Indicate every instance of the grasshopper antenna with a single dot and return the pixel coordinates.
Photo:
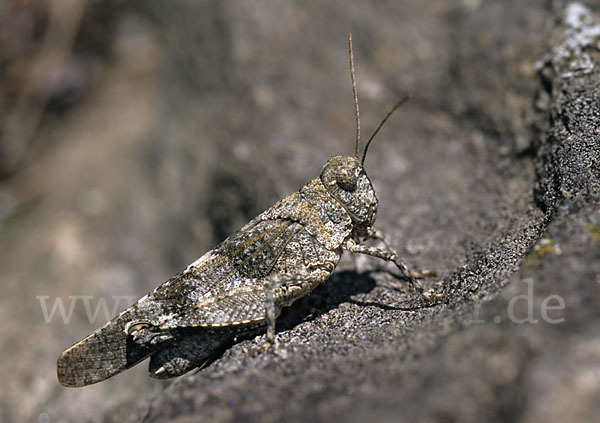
(351, 54)
(400, 103)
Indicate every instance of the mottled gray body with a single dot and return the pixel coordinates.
(242, 285)
(278, 257)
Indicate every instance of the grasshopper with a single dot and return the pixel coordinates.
(241, 286)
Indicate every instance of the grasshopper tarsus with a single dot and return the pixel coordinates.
(262, 348)
(435, 298)
(425, 273)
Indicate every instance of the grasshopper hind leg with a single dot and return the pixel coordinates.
(197, 347)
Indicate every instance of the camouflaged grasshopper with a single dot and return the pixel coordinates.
(242, 285)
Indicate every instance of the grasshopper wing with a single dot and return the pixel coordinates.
(103, 354)
(112, 349)
(226, 287)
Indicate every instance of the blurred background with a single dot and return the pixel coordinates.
(135, 135)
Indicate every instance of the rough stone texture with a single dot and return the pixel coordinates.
(209, 112)
(568, 170)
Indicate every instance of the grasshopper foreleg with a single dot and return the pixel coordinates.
(378, 235)
(390, 255)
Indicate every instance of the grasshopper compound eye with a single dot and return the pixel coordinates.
(347, 177)
(341, 174)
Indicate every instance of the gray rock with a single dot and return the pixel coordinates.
(212, 111)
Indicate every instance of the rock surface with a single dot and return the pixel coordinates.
(209, 112)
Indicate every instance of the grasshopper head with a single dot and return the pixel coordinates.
(345, 178)
(347, 182)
